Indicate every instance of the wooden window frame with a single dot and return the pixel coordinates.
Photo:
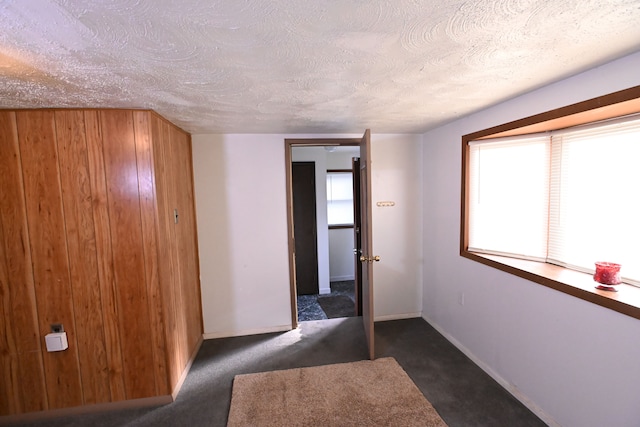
(577, 284)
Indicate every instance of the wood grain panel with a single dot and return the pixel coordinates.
(166, 252)
(20, 341)
(104, 253)
(77, 203)
(188, 249)
(21, 361)
(128, 252)
(10, 402)
(195, 305)
(36, 132)
(144, 156)
(88, 239)
(174, 188)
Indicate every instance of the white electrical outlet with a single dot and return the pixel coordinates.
(56, 341)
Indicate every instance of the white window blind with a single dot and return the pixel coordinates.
(570, 197)
(595, 197)
(509, 198)
(339, 198)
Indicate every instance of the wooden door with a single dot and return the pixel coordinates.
(303, 177)
(366, 231)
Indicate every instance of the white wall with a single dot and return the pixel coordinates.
(242, 233)
(341, 159)
(242, 236)
(341, 257)
(397, 230)
(575, 363)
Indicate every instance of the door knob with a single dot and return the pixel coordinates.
(370, 259)
(363, 258)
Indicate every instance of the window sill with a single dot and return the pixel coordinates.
(577, 284)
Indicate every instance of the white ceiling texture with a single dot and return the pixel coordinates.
(302, 66)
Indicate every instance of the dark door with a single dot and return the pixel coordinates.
(303, 177)
(357, 241)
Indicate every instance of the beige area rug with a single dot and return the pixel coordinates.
(366, 393)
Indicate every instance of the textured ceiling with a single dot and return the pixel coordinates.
(302, 66)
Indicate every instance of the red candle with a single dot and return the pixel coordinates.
(607, 273)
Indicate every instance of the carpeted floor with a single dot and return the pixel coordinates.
(309, 308)
(335, 306)
(459, 390)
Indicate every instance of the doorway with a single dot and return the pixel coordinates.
(323, 223)
(362, 234)
(333, 258)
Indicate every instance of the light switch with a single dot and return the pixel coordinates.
(56, 341)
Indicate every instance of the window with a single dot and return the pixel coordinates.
(547, 196)
(509, 192)
(567, 197)
(340, 198)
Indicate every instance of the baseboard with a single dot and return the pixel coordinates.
(512, 389)
(341, 278)
(185, 371)
(241, 333)
(86, 409)
(107, 406)
(324, 291)
(397, 317)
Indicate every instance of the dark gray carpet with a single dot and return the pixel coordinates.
(310, 309)
(459, 390)
(335, 306)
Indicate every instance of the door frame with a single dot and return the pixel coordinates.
(289, 143)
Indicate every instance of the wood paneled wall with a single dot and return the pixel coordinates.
(88, 239)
